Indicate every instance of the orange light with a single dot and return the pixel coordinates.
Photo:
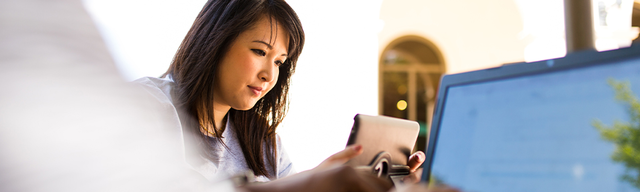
(402, 105)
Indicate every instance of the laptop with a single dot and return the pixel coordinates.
(551, 125)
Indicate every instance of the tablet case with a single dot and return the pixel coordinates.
(387, 141)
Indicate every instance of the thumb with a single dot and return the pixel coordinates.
(341, 157)
(346, 154)
(416, 160)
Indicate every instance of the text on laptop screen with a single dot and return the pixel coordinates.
(540, 132)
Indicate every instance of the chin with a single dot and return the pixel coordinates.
(244, 107)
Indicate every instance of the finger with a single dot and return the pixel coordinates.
(341, 157)
(346, 154)
(413, 177)
(416, 160)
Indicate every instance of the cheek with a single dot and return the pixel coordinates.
(249, 62)
(242, 70)
(274, 83)
(277, 77)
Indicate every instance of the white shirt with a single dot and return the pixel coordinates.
(225, 162)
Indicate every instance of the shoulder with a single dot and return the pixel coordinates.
(285, 166)
(159, 88)
(278, 140)
(279, 148)
(161, 91)
(155, 83)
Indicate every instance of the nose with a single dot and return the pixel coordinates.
(269, 72)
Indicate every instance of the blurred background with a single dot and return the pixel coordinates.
(370, 56)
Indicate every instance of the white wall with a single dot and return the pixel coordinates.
(336, 77)
(470, 34)
(475, 34)
(143, 35)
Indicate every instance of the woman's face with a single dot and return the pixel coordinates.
(249, 70)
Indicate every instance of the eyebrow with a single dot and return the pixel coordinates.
(268, 46)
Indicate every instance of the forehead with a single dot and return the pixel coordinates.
(270, 32)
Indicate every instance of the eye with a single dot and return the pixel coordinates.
(279, 63)
(259, 52)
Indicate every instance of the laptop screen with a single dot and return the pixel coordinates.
(543, 132)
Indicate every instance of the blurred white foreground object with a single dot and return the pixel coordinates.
(68, 122)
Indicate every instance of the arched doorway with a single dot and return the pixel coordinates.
(410, 72)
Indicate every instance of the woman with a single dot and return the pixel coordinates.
(228, 83)
(228, 86)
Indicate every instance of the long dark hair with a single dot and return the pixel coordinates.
(194, 71)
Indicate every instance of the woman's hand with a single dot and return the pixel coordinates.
(342, 157)
(339, 158)
(335, 178)
(415, 160)
(423, 187)
(331, 175)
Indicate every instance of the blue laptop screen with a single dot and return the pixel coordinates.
(540, 132)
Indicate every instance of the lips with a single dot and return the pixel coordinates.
(257, 91)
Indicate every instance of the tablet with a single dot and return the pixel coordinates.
(384, 139)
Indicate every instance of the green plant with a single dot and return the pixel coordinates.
(625, 135)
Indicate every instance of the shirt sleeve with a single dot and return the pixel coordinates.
(285, 167)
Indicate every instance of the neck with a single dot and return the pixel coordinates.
(219, 111)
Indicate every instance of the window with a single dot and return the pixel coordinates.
(410, 71)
